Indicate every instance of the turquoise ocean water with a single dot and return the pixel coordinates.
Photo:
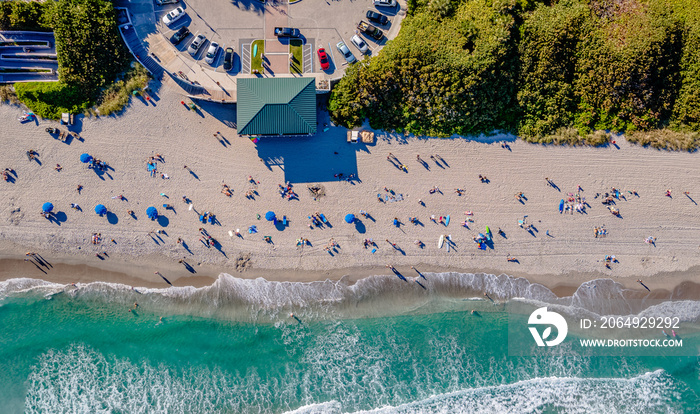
(381, 345)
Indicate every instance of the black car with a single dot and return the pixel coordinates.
(286, 32)
(228, 59)
(180, 35)
(378, 18)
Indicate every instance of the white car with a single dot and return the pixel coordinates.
(211, 53)
(196, 44)
(347, 54)
(173, 16)
(385, 3)
(360, 44)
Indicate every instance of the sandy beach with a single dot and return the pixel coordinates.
(559, 250)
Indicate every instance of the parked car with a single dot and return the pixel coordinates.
(211, 53)
(180, 35)
(173, 16)
(162, 2)
(196, 44)
(228, 59)
(360, 44)
(286, 32)
(323, 58)
(345, 51)
(385, 3)
(378, 18)
(370, 30)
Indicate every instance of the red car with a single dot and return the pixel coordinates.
(323, 58)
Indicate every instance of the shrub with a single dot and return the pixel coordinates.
(7, 94)
(667, 139)
(116, 97)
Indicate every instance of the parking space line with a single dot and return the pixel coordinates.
(330, 49)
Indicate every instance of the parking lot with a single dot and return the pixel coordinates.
(220, 21)
(237, 23)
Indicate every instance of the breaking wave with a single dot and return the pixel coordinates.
(262, 300)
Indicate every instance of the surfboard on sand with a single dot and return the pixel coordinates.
(441, 241)
(447, 221)
(488, 233)
(449, 240)
(561, 205)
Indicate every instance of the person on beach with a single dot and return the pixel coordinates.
(79, 188)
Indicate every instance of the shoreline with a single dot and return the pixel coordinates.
(67, 269)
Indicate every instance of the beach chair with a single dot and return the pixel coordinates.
(284, 221)
(323, 218)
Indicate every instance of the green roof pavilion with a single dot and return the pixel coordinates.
(276, 106)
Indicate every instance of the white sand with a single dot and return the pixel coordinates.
(184, 137)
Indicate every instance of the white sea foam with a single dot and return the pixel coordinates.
(650, 392)
(81, 380)
(383, 295)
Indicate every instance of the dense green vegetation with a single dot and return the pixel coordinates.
(550, 71)
(90, 51)
(24, 15)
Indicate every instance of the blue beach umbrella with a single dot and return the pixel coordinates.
(152, 213)
(350, 218)
(100, 209)
(270, 216)
(85, 158)
(47, 207)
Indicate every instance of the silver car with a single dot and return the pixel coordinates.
(173, 16)
(360, 44)
(385, 3)
(347, 54)
(211, 53)
(196, 44)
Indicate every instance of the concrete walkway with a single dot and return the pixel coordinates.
(41, 55)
